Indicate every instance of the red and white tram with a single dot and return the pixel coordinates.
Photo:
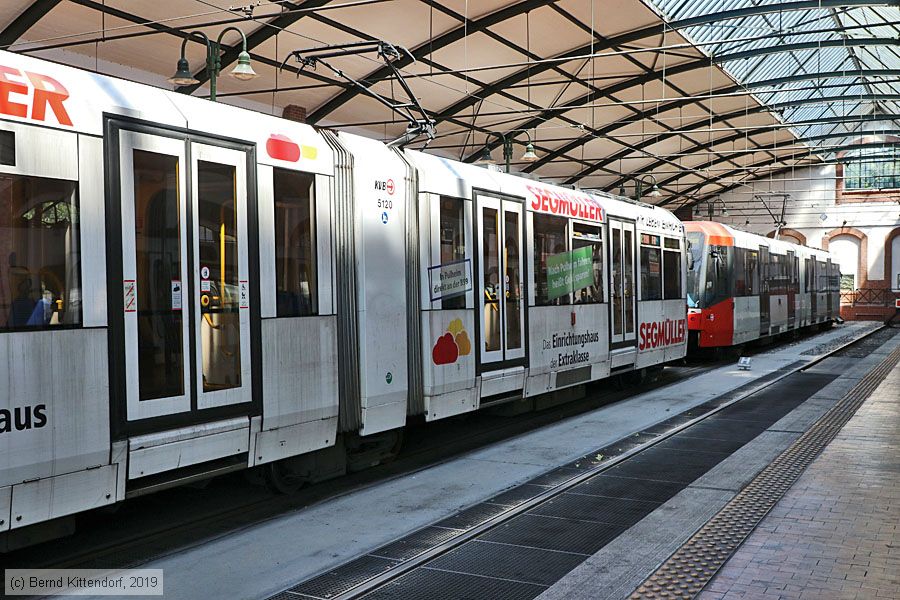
(743, 286)
(188, 288)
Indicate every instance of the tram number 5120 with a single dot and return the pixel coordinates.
(388, 204)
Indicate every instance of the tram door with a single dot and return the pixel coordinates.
(621, 281)
(766, 273)
(184, 262)
(501, 301)
(811, 287)
(793, 282)
(829, 296)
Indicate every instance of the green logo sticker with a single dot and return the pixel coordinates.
(389, 377)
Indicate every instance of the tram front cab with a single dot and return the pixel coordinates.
(709, 298)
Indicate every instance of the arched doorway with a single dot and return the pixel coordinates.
(846, 249)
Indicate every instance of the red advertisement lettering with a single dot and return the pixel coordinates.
(44, 90)
(10, 86)
(48, 92)
(661, 334)
(565, 203)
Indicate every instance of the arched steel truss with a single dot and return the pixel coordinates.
(460, 113)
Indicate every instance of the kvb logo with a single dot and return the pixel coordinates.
(40, 92)
(385, 186)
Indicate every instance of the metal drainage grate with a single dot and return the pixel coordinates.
(692, 566)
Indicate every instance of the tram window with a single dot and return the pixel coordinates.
(490, 265)
(295, 244)
(823, 276)
(158, 262)
(219, 245)
(775, 274)
(584, 236)
(672, 272)
(717, 279)
(651, 268)
(40, 272)
(453, 240)
(7, 148)
(834, 277)
(746, 275)
(808, 271)
(549, 242)
(740, 273)
(697, 247)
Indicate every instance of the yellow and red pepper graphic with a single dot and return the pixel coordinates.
(451, 345)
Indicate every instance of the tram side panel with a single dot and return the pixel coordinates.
(449, 283)
(448, 316)
(662, 310)
(54, 410)
(379, 187)
(299, 323)
(568, 313)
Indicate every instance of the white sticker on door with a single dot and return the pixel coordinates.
(176, 294)
(205, 285)
(245, 294)
(130, 289)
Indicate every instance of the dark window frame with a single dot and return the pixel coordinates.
(540, 266)
(651, 285)
(597, 256)
(458, 302)
(313, 296)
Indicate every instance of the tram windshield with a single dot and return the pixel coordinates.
(696, 245)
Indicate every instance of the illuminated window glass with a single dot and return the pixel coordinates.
(40, 271)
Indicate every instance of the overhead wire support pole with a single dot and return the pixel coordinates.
(779, 221)
(419, 123)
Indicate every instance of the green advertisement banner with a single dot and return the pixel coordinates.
(569, 271)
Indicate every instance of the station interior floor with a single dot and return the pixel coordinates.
(835, 533)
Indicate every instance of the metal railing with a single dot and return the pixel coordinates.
(869, 297)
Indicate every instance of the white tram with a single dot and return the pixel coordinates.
(188, 288)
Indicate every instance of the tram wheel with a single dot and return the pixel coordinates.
(281, 479)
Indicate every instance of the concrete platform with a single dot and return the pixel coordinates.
(267, 558)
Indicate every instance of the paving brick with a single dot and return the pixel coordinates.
(836, 533)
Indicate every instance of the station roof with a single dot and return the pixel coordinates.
(699, 94)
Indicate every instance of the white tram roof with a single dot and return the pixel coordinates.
(280, 142)
(447, 177)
